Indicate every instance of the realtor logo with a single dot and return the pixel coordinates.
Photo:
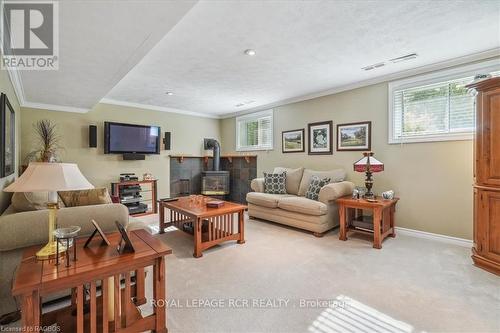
(30, 35)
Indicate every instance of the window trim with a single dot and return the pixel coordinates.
(254, 115)
(435, 77)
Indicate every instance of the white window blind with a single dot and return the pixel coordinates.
(434, 110)
(255, 131)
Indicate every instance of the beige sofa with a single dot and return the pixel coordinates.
(19, 230)
(293, 208)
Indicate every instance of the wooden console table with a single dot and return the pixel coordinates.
(383, 217)
(107, 274)
(210, 226)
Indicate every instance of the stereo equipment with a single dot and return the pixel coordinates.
(166, 141)
(125, 177)
(133, 157)
(92, 136)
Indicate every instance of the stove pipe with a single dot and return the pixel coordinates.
(215, 146)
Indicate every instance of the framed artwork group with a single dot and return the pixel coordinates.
(350, 137)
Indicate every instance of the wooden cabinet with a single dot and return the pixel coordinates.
(487, 240)
(486, 250)
(488, 137)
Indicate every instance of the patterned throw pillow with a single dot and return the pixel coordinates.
(275, 183)
(315, 186)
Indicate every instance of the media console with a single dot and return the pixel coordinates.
(138, 195)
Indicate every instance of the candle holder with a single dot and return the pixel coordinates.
(66, 235)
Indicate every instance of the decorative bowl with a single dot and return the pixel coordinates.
(388, 195)
(68, 232)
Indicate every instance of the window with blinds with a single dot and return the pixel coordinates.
(255, 131)
(437, 110)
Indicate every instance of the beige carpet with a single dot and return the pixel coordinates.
(411, 285)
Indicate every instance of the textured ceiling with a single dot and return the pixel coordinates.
(303, 47)
(99, 42)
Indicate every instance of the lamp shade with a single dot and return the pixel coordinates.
(368, 163)
(47, 177)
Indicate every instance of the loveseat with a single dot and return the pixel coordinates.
(21, 229)
(293, 208)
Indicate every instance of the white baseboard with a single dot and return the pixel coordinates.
(437, 237)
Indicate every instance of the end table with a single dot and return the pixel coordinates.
(104, 269)
(351, 210)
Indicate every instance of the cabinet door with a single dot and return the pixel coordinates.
(488, 139)
(488, 225)
(477, 234)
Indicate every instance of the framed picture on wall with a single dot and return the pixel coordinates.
(293, 141)
(320, 138)
(7, 137)
(354, 136)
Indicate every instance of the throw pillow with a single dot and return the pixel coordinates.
(275, 183)
(315, 186)
(336, 175)
(96, 196)
(293, 177)
(29, 201)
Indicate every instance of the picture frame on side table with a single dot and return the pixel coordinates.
(293, 141)
(320, 138)
(97, 230)
(7, 137)
(354, 136)
(125, 245)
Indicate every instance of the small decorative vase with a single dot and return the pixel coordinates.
(388, 195)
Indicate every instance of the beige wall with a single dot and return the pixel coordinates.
(433, 179)
(100, 169)
(7, 88)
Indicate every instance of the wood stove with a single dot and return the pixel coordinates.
(214, 182)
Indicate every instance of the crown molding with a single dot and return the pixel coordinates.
(156, 108)
(485, 55)
(54, 107)
(15, 79)
(17, 83)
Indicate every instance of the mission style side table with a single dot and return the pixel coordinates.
(352, 218)
(107, 276)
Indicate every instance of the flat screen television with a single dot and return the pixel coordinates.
(131, 139)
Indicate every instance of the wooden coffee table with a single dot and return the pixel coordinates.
(103, 269)
(209, 226)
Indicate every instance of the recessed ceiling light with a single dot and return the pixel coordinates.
(169, 93)
(250, 52)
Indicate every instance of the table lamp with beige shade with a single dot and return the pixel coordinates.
(50, 177)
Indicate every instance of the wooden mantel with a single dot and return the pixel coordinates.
(181, 157)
